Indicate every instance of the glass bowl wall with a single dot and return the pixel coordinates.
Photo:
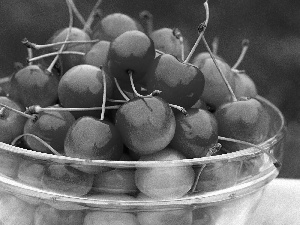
(38, 187)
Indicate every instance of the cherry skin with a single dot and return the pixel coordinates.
(146, 125)
(9, 164)
(200, 104)
(200, 59)
(165, 41)
(195, 133)
(48, 215)
(82, 87)
(165, 182)
(181, 83)
(90, 138)
(33, 86)
(164, 217)
(76, 34)
(11, 123)
(131, 51)
(15, 211)
(245, 120)
(113, 25)
(116, 181)
(215, 91)
(66, 180)
(31, 173)
(111, 218)
(97, 56)
(218, 175)
(50, 126)
(253, 166)
(244, 86)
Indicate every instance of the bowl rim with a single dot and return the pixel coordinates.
(202, 199)
(250, 152)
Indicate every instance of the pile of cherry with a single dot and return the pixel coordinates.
(117, 92)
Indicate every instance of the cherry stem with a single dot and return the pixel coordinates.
(104, 95)
(49, 69)
(210, 152)
(29, 44)
(2, 112)
(218, 68)
(91, 18)
(148, 17)
(154, 93)
(5, 80)
(215, 45)
(30, 55)
(77, 13)
(55, 53)
(272, 157)
(120, 90)
(245, 46)
(37, 109)
(19, 112)
(181, 109)
(116, 100)
(178, 35)
(201, 30)
(37, 138)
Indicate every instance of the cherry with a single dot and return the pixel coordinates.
(66, 180)
(97, 56)
(83, 86)
(176, 216)
(52, 127)
(111, 218)
(4, 85)
(47, 215)
(9, 164)
(181, 83)
(218, 175)
(11, 122)
(90, 138)
(165, 217)
(131, 51)
(146, 125)
(199, 59)
(167, 181)
(116, 181)
(215, 91)
(244, 85)
(113, 25)
(195, 133)
(76, 34)
(32, 85)
(165, 40)
(245, 120)
(15, 211)
(253, 166)
(31, 173)
(200, 104)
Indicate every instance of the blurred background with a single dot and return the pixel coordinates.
(272, 26)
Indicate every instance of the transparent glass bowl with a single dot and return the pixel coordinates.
(39, 188)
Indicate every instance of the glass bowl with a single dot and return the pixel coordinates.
(39, 188)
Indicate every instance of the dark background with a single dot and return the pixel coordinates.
(272, 26)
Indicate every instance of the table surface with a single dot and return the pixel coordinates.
(280, 204)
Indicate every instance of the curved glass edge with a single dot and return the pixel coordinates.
(251, 152)
(194, 200)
